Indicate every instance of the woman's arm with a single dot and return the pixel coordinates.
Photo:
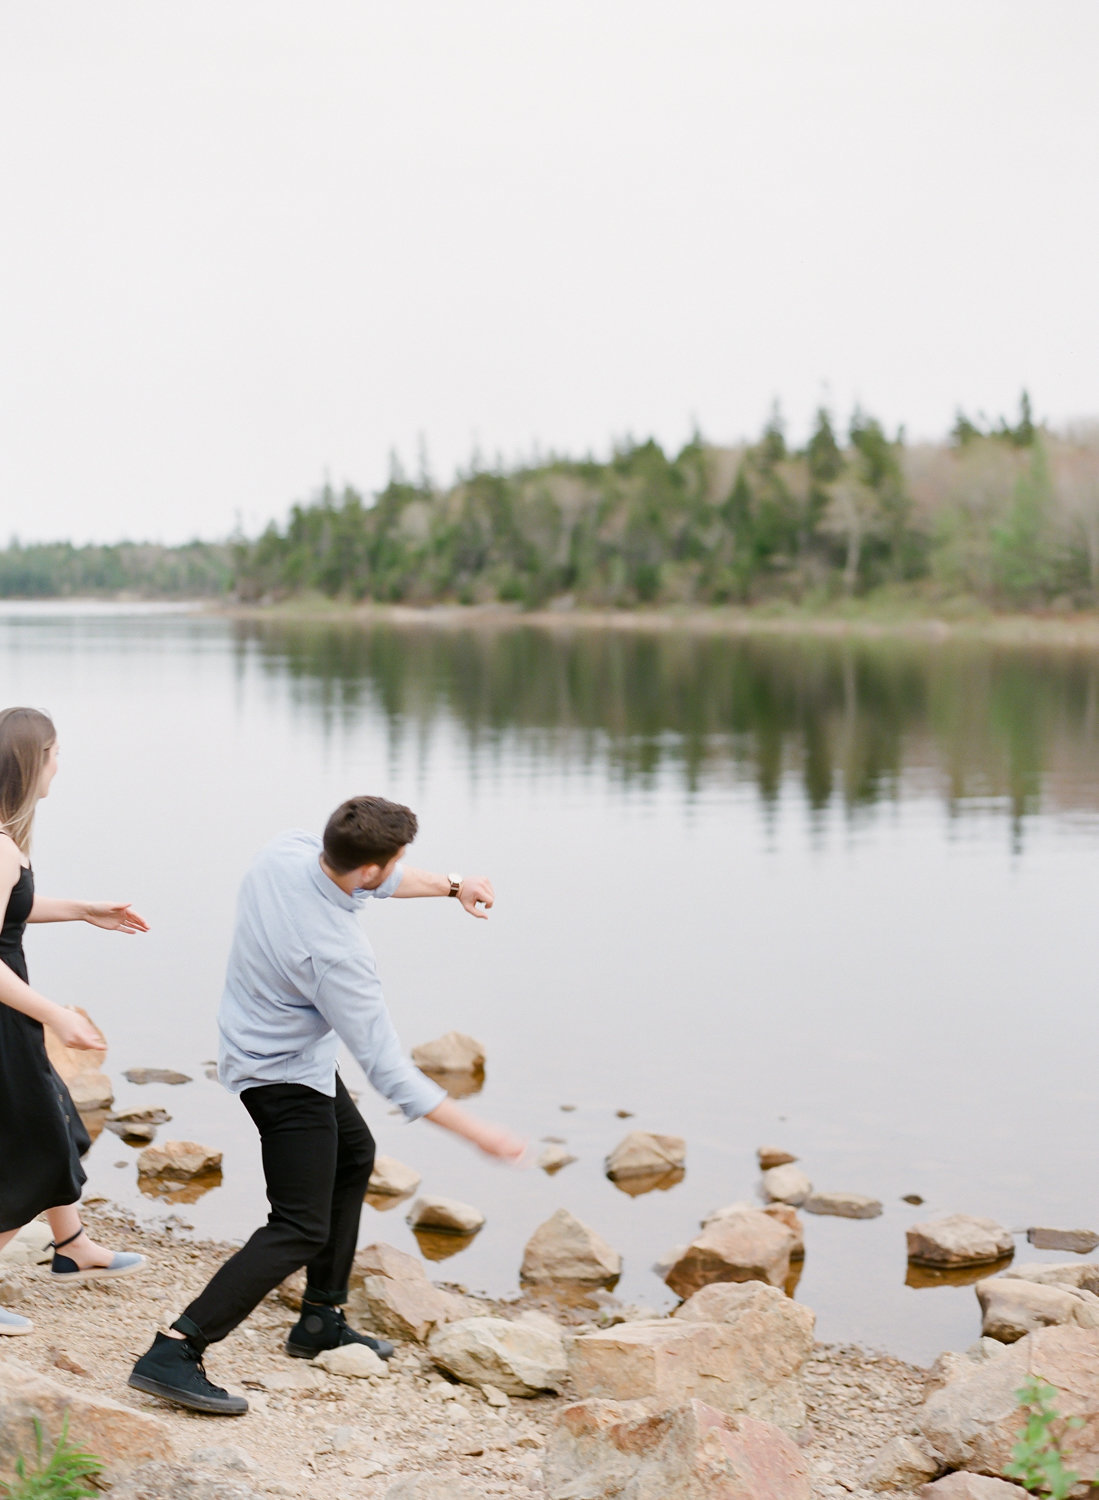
(115, 916)
(72, 1028)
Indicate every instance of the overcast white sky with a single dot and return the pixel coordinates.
(247, 243)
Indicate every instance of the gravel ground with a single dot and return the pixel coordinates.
(312, 1434)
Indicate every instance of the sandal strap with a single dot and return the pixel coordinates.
(60, 1244)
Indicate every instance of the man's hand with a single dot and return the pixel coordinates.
(493, 1140)
(114, 916)
(477, 895)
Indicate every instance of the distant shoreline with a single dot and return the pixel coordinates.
(1075, 630)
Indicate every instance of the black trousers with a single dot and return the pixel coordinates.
(317, 1159)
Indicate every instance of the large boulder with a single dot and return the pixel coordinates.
(843, 1205)
(963, 1486)
(565, 1250)
(521, 1358)
(901, 1465)
(178, 1160)
(643, 1154)
(974, 1422)
(959, 1240)
(1083, 1274)
(741, 1348)
(787, 1184)
(119, 1435)
(692, 1452)
(392, 1179)
(445, 1215)
(453, 1053)
(1011, 1308)
(391, 1295)
(748, 1246)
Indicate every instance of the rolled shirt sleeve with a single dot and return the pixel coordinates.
(349, 997)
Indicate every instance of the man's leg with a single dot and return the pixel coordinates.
(322, 1324)
(299, 1141)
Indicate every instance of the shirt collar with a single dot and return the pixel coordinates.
(329, 889)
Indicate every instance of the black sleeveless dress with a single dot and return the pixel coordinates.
(41, 1135)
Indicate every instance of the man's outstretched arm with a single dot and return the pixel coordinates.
(474, 892)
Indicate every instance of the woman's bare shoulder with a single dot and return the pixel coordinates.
(11, 861)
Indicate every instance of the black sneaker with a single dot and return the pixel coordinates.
(172, 1369)
(322, 1327)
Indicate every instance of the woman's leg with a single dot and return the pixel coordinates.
(65, 1222)
(7, 1236)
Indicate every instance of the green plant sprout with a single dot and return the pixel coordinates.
(1038, 1459)
(64, 1475)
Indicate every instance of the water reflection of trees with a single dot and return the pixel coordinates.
(855, 720)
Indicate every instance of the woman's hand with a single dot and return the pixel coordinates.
(73, 1030)
(114, 916)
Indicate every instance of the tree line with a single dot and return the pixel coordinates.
(1006, 513)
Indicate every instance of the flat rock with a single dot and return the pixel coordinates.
(152, 1115)
(91, 1091)
(132, 1134)
(178, 1160)
(974, 1421)
(296, 1377)
(774, 1156)
(392, 1179)
(224, 1456)
(1080, 1241)
(553, 1158)
(520, 1359)
(784, 1213)
(963, 1486)
(121, 1436)
(958, 1240)
(741, 1348)
(155, 1075)
(355, 1361)
(901, 1465)
(692, 1452)
(643, 1154)
(159, 1480)
(423, 1486)
(30, 1247)
(1084, 1274)
(445, 1214)
(749, 1246)
(1011, 1307)
(562, 1249)
(453, 1053)
(787, 1184)
(843, 1205)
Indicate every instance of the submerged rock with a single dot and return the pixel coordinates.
(787, 1184)
(843, 1205)
(553, 1158)
(564, 1250)
(747, 1246)
(644, 1154)
(446, 1215)
(1081, 1241)
(453, 1053)
(178, 1160)
(155, 1075)
(958, 1240)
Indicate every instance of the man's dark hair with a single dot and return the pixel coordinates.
(366, 831)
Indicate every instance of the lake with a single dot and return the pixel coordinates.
(831, 895)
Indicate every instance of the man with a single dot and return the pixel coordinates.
(301, 977)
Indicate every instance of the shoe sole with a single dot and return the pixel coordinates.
(97, 1273)
(14, 1333)
(184, 1398)
(296, 1351)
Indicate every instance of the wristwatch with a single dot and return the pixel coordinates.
(455, 884)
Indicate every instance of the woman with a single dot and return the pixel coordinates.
(40, 1131)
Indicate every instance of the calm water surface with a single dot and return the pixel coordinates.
(834, 896)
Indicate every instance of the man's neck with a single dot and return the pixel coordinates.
(346, 883)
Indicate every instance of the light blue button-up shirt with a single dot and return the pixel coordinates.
(302, 977)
